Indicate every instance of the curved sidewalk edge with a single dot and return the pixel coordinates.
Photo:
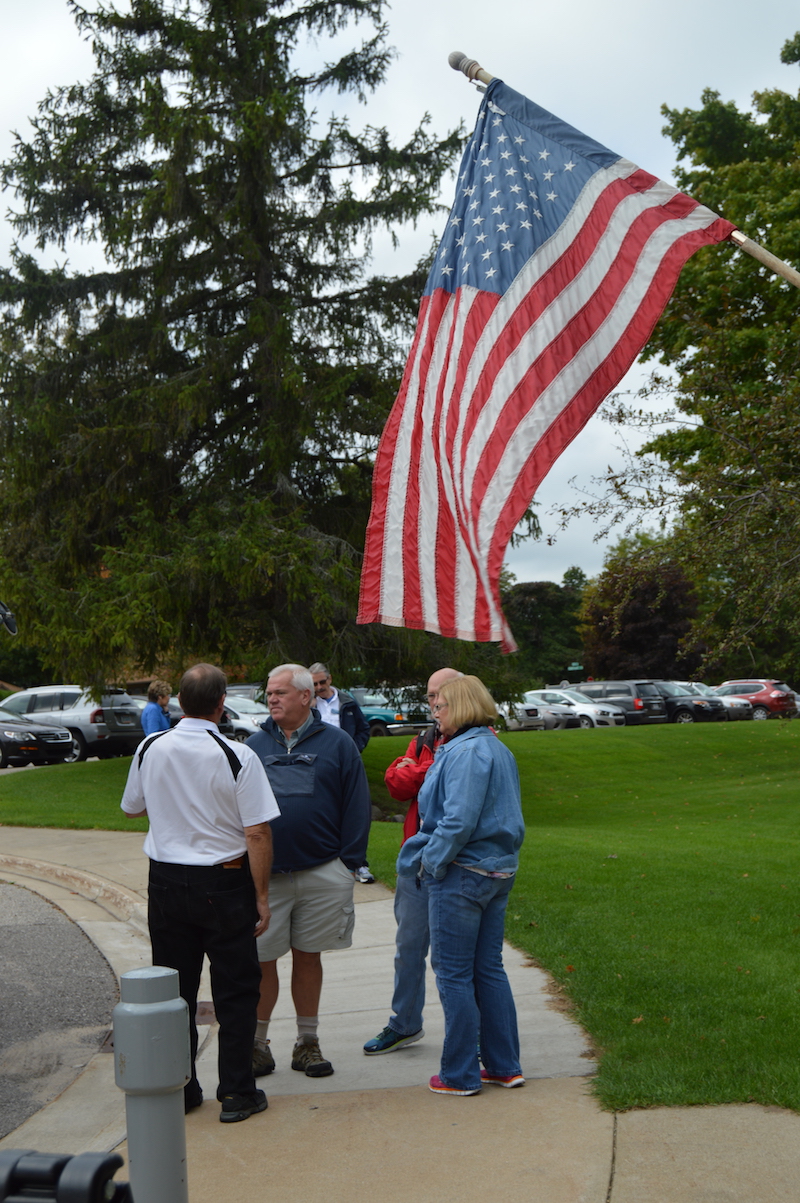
(121, 903)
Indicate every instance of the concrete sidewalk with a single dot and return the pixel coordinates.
(374, 1126)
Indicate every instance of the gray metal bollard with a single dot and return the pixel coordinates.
(152, 1065)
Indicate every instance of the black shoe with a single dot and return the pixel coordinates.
(192, 1096)
(236, 1107)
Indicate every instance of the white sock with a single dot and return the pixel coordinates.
(307, 1026)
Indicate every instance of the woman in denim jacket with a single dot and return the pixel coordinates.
(467, 849)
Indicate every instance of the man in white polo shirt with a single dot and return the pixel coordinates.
(210, 846)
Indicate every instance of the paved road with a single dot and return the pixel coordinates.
(56, 997)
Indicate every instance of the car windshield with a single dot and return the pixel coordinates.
(699, 687)
(579, 697)
(247, 705)
(670, 690)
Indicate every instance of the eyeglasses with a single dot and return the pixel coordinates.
(439, 706)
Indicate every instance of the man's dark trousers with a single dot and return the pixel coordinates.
(207, 909)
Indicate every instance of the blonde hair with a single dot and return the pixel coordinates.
(469, 702)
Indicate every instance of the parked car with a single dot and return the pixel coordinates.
(255, 692)
(111, 728)
(531, 714)
(23, 741)
(769, 699)
(638, 697)
(245, 715)
(381, 718)
(686, 706)
(524, 716)
(736, 708)
(590, 713)
(176, 713)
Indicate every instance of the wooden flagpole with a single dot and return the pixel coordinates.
(474, 71)
(766, 257)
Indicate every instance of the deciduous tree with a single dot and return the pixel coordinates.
(727, 466)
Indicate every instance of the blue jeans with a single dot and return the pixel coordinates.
(467, 917)
(411, 949)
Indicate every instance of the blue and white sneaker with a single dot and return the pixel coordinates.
(388, 1040)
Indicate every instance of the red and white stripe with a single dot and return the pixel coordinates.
(496, 387)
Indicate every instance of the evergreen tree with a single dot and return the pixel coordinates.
(544, 617)
(187, 430)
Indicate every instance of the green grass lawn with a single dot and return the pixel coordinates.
(658, 885)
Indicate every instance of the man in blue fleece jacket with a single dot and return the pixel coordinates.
(319, 841)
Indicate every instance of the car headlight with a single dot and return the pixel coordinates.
(19, 735)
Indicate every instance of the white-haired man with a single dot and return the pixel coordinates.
(319, 842)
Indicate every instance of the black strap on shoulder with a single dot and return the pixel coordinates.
(148, 742)
(232, 758)
(426, 739)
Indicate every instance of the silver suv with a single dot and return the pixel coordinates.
(111, 728)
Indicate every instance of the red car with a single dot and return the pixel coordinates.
(770, 699)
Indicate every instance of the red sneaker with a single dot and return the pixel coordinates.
(438, 1087)
(500, 1080)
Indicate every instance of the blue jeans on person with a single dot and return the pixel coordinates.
(467, 919)
(411, 949)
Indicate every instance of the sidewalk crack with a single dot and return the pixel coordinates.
(613, 1160)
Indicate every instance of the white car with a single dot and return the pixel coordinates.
(246, 716)
(590, 713)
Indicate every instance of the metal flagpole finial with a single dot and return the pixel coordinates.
(470, 66)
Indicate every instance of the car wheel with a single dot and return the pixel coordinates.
(760, 712)
(683, 716)
(241, 736)
(377, 728)
(3, 758)
(78, 748)
(586, 721)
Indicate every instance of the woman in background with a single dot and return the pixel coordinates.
(155, 716)
(467, 850)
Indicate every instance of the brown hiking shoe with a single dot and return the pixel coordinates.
(307, 1058)
(263, 1060)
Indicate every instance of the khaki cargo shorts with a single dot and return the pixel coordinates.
(311, 910)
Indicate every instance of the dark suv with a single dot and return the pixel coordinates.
(641, 701)
(684, 706)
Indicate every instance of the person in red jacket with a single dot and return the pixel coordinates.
(404, 778)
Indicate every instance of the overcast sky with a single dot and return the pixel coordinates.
(606, 69)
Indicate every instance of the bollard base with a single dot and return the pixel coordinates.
(157, 1147)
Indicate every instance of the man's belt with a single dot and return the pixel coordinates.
(234, 864)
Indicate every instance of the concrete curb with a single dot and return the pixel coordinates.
(122, 904)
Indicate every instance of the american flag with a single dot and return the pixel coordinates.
(557, 260)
